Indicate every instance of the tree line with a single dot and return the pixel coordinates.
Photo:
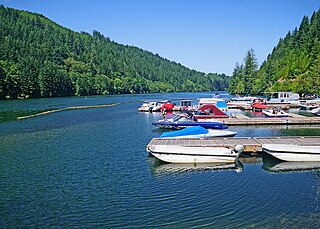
(39, 58)
(293, 65)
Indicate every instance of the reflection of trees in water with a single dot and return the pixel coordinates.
(306, 130)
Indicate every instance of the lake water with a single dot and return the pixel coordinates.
(89, 168)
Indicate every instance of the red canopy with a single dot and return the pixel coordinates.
(213, 110)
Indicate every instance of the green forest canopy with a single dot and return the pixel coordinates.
(39, 58)
(293, 65)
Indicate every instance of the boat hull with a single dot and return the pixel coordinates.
(180, 154)
(293, 152)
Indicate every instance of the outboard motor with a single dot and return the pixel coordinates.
(238, 149)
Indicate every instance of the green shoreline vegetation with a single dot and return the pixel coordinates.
(293, 65)
(39, 58)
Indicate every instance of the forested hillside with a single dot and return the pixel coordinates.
(293, 65)
(39, 58)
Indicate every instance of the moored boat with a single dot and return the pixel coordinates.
(198, 132)
(147, 106)
(286, 99)
(315, 101)
(315, 111)
(159, 105)
(308, 106)
(258, 105)
(183, 154)
(275, 113)
(239, 101)
(292, 152)
(180, 122)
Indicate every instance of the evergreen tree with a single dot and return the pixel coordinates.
(243, 77)
(249, 71)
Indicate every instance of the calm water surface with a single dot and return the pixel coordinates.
(89, 168)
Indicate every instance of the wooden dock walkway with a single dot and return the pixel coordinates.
(251, 145)
(294, 119)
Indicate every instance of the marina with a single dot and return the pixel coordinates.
(145, 114)
(295, 119)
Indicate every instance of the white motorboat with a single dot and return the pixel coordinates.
(307, 106)
(315, 111)
(275, 113)
(147, 106)
(239, 101)
(152, 106)
(283, 98)
(315, 101)
(185, 154)
(198, 132)
(293, 152)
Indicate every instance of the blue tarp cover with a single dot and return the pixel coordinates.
(187, 131)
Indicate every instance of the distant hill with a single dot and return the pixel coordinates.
(293, 65)
(39, 58)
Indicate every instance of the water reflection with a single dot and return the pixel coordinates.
(158, 167)
(272, 164)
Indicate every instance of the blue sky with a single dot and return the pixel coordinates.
(205, 35)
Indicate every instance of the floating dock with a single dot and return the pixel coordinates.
(294, 119)
(251, 145)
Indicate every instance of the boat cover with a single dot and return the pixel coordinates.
(192, 130)
(213, 110)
